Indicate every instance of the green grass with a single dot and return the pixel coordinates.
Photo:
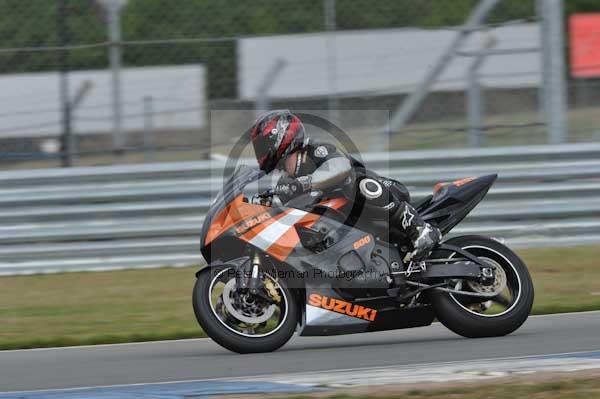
(96, 307)
(565, 387)
(140, 305)
(565, 279)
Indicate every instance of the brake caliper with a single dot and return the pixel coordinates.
(270, 287)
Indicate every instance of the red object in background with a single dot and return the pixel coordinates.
(584, 35)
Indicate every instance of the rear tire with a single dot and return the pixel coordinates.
(236, 341)
(471, 324)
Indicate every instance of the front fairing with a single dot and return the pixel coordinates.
(232, 188)
(274, 231)
(234, 226)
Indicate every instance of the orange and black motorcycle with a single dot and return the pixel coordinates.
(314, 267)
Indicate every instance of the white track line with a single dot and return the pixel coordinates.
(273, 377)
(430, 364)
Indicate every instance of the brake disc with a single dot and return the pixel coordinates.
(496, 287)
(253, 314)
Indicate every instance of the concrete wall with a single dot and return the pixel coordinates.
(382, 61)
(30, 103)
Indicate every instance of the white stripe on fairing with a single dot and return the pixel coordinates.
(316, 316)
(268, 236)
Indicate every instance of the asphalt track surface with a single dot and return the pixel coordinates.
(202, 359)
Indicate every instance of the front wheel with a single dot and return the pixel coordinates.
(497, 316)
(240, 321)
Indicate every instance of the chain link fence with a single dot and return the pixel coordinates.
(113, 81)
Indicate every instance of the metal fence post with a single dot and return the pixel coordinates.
(330, 27)
(80, 94)
(475, 109)
(113, 11)
(553, 65)
(66, 146)
(475, 102)
(148, 133)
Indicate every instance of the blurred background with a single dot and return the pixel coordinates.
(117, 116)
(156, 95)
(89, 82)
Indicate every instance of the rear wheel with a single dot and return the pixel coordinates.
(240, 321)
(497, 316)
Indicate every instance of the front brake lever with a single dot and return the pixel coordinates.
(265, 198)
(268, 193)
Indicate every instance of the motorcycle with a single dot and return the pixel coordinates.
(309, 268)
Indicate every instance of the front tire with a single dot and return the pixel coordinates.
(469, 319)
(222, 326)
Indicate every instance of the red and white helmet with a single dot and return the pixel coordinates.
(275, 135)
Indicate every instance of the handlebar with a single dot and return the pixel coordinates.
(267, 193)
(306, 199)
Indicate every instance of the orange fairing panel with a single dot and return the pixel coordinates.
(234, 213)
(253, 232)
(277, 236)
(457, 183)
(274, 234)
(286, 243)
(439, 186)
(462, 182)
(289, 240)
(335, 203)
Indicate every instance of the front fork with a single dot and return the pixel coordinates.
(250, 277)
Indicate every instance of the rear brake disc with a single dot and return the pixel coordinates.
(496, 287)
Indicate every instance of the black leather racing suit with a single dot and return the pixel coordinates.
(321, 166)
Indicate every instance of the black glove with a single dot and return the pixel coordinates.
(287, 188)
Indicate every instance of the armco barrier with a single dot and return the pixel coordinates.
(98, 218)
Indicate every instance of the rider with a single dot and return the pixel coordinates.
(280, 142)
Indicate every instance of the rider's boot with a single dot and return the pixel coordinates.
(423, 235)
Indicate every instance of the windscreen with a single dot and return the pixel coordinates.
(234, 186)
